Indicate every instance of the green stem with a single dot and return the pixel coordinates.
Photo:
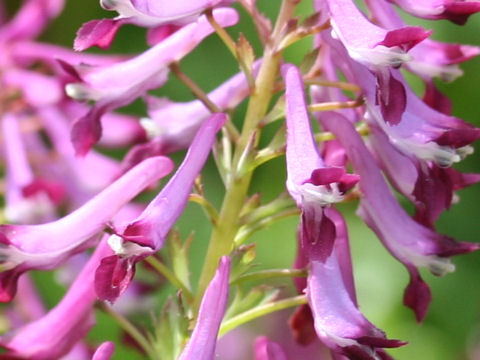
(260, 311)
(170, 276)
(203, 97)
(132, 331)
(206, 205)
(223, 235)
(268, 274)
(223, 34)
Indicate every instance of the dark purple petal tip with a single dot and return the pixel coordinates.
(8, 284)
(459, 12)
(375, 341)
(86, 132)
(113, 276)
(96, 33)
(405, 38)
(417, 295)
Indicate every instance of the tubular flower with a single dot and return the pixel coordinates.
(367, 43)
(23, 247)
(118, 85)
(422, 140)
(429, 58)
(72, 318)
(146, 235)
(410, 242)
(203, 340)
(456, 11)
(145, 13)
(418, 130)
(331, 296)
(429, 187)
(311, 183)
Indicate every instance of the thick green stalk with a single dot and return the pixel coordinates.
(223, 235)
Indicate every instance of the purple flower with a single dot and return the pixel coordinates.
(430, 187)
(430, 58)
(456, 11)
(311, 183)
(54, 334)
(45, 246)
(420, 140)
(338, 321)
(146, 234)
(118, 85)
(412, 126)
(203, 340)
(146, 13)
(367, 43)
(265, 349)
(410, 242)
(427, 133)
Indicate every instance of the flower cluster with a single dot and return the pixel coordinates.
(63, 197)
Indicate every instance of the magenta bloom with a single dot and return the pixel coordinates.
(146, 234)
(202, 342)
(310, 182)
(429, 58)
(367, 43)
(118, 85)
(410, 242)
(338, 322)
(54, 334)
(23, 247)
(456, 11)
(157, 15)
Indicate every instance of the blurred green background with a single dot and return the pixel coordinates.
(452, 327)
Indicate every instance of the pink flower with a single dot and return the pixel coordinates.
(456, 11)
(45, 246)
(146, 234)
(157, 15)
(54, 334)
(367, 43)
(311, 183)
(337, 320)
(118, 85)
(410, 242)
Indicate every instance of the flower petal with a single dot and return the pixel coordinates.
(202, 342)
